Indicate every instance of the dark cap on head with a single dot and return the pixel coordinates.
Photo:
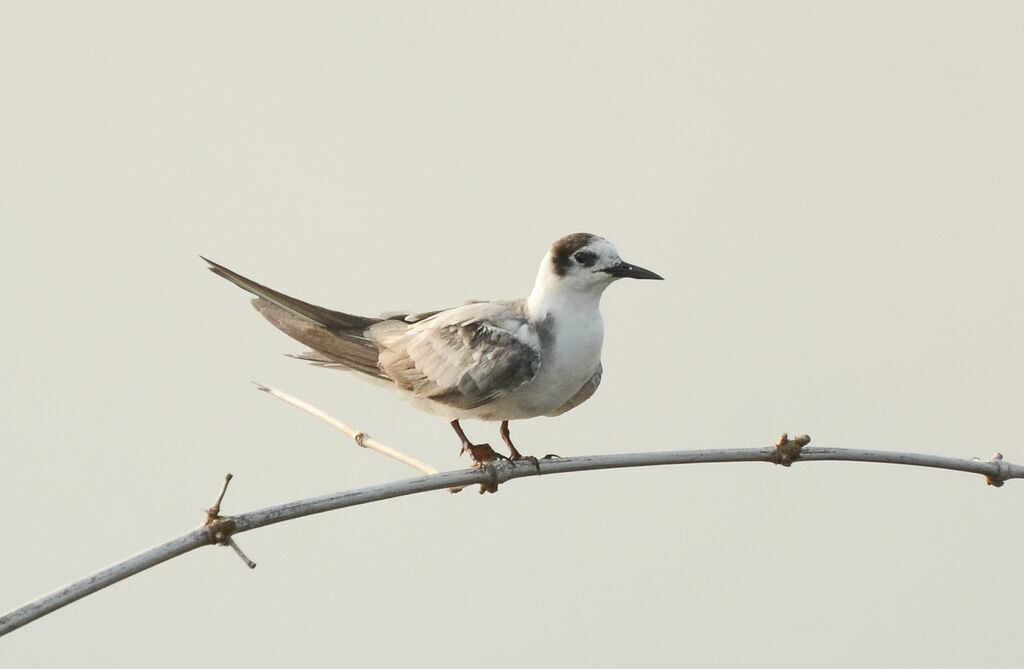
(562, 250)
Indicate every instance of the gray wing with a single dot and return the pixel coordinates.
(582, 395)
(464, 357)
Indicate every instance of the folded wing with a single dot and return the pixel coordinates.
(464, 357)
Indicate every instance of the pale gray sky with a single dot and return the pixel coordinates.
(832, 191)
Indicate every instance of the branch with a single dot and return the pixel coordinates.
(220, 530)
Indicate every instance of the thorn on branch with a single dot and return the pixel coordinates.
(1002, 470)
(788, 450)
(238, 551)
(214, 511)
(221, 529)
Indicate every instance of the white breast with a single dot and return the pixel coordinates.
(571, 350)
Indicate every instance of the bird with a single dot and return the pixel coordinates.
(497, 361)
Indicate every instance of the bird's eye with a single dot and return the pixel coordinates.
(584, 258)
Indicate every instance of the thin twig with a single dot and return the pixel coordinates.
(996, 471)
(360, 437)
(213, 513)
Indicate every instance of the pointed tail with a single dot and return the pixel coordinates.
(335, 335)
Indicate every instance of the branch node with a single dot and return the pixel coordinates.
(221, 528)
(1002, 471)
(360, 438)
(491, 484)
(787, 450)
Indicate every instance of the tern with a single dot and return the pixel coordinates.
(498, 360)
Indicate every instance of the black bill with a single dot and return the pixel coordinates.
(627, 271)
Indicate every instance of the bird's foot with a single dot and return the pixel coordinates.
(552, 456)
(482, 454)
(516, 456)
(483, 457)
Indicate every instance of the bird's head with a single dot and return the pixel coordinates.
(583, 264)
(584, 260)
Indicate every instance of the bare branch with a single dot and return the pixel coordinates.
(101, 579)
(996, 471)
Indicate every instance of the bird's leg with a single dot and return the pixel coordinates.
(481, 453)
(507, 438)
(513, 451)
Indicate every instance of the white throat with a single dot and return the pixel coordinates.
(555, 295)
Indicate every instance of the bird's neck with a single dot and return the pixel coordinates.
(552, 296)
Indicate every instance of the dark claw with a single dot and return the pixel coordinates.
(552, 456)
(528, 458)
